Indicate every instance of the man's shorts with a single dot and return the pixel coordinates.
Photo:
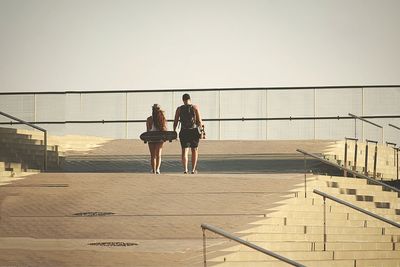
(189, 138)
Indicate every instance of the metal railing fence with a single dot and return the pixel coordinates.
(267, 113)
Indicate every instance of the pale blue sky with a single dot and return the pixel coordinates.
(62, 45)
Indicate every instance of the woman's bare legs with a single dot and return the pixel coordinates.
(158, 151)
(152, 148)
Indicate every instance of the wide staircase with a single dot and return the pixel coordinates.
(295, 228)
(22, 152)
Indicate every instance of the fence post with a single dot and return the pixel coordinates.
(45, 151)
(204, 248)
(397, 164)
(305, 176)
(375, 159)
(366, 159)
(345, 159)
(355, 158)
(324, 223)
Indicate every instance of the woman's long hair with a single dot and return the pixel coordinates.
(159, 118)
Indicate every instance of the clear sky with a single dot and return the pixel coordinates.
(62, 45)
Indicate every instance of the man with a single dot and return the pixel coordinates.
(189, 117)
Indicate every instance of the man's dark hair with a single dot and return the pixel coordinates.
(185, 97)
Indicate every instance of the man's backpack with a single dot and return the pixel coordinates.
(187, 117)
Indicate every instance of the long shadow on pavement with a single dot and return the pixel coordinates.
(246, 163)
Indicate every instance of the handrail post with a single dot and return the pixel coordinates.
(345, 159)
(45, 151)
(375, 159)
(355, 127)
(305, 176)
(204, 247)
(355, 155)
(397, 164)
(366, 160)
(324, 223)
(355, 158)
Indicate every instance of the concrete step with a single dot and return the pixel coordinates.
(316, 263)
(340, 179)
(303, 229)
(307, 255)
(349, 184)
(315, 200)
(8, 130)
(6, 173)
(23, 146)
(367, 254)
(387, 209)
(13, 155)
(384, 196)
(318, 246)
(378, 262)
(319, 222)
(23, 142)
(276, 263)
(35, 163)
(329, 215)
(258, 256)
(319, 237)
(15, 136)
(16, 167)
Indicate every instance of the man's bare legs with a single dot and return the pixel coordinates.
(185, 160)
(195, 156)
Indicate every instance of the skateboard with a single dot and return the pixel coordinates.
(158, 136)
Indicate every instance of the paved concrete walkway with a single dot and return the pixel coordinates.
(159, 216)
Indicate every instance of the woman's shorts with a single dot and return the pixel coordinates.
(189, 138)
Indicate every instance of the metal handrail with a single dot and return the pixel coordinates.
(35, 127)
(340, 201)
(349, 170)
(370, 122)
(290, 118)
(394, 126)
(367, 121)
(202, 89)
(243, 242)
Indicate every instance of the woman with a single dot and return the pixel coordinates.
(156, 122)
